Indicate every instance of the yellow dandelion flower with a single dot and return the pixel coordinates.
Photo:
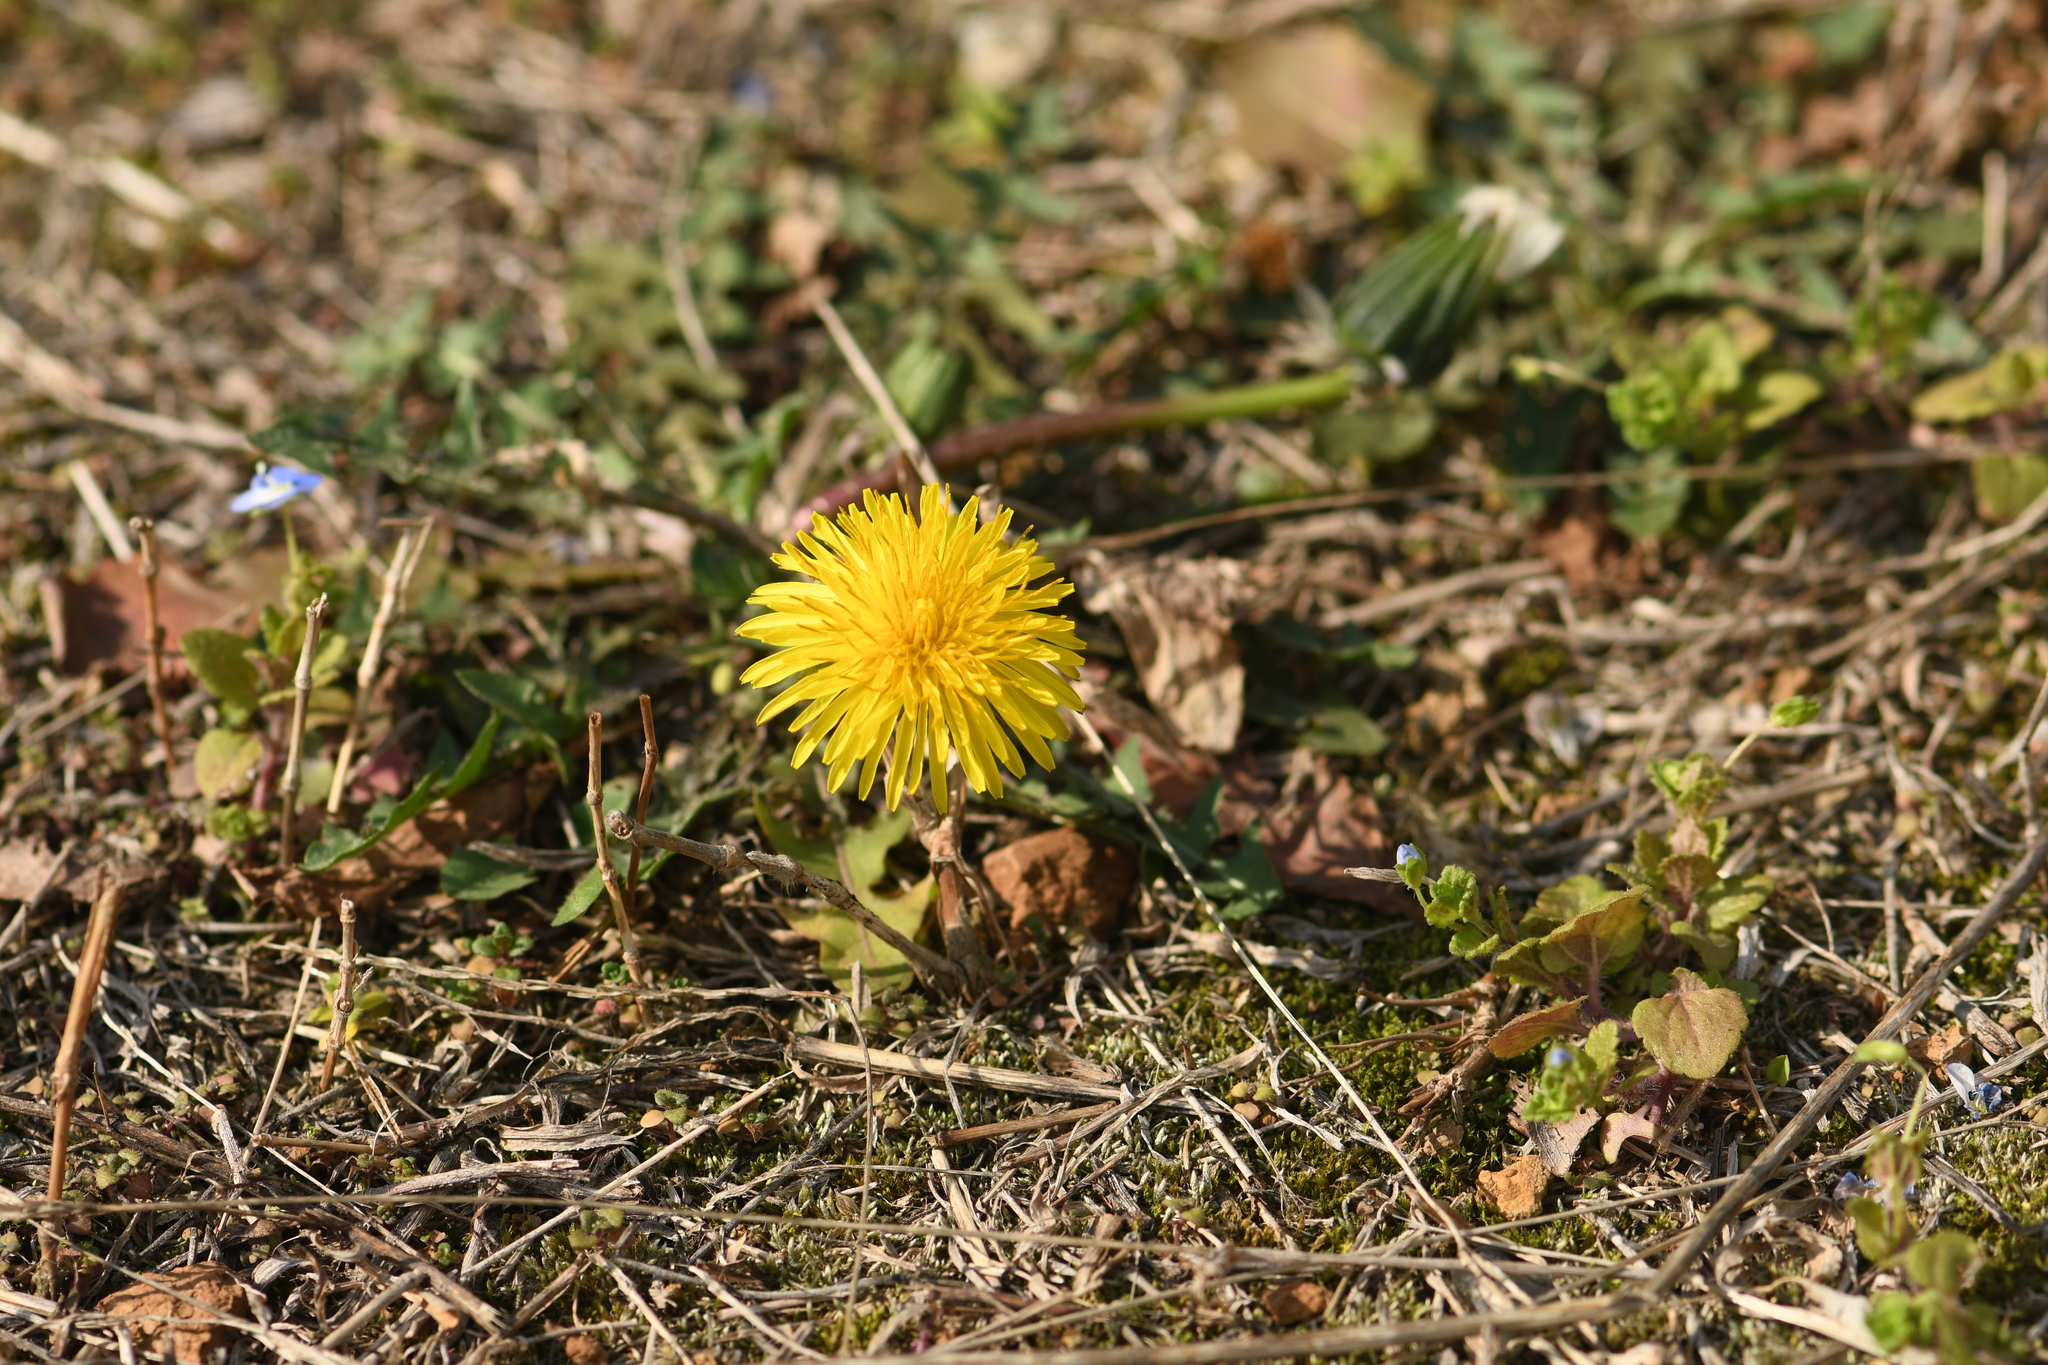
(918, 638)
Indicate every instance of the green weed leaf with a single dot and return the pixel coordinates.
(1526, 1030)
(1794, 711)
(473, 876)
(220, 660)
(1694, 1028)
(1597, 941)
(225, 762)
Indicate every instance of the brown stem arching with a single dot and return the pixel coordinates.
(85, 992)
(965, 449)
(593, 796)
(932, 969)
(295, 738)
(344, 995)
(152, 614)
(650, 757)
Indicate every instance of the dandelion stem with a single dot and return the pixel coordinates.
(412, 541)
(145, 534)
(344, 995)
(593, 796)
(85, 991)
(650, 755)
(939, 832)
(295, 738)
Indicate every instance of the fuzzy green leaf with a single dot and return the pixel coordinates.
(1692, 784)
(1694, 1028)
(220, 660)
(225, 762)
(1597, 941)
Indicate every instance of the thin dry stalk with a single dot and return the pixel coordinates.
(295, 739)
(878, 392)
(291, 1028)
(344, 994)
(593, 796)
(145, 534)
(650, 756)
(412, 542)
(85, 993)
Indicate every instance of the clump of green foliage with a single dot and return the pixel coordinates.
(1644, 964)
(1939, 1265)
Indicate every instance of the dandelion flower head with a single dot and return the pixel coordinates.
(917, 638)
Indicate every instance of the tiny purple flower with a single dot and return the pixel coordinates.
(271, 488)
(1559, 1056)
(1406, 854)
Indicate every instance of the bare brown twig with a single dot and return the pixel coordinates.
(145, 535)
(593, 796)
(85, 992)
(344, 994)
(650, 758)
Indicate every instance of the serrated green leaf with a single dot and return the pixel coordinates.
(1729, 904)
(1692, 784)
(1452, 898)
(1596, 941)
(1470, 941)
(1566, 901)
(1694, 1028)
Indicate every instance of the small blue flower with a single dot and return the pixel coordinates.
(1559, 1056)
(1406, 854)
(1979, 1097)
(271, 489)
(1852, 1184)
